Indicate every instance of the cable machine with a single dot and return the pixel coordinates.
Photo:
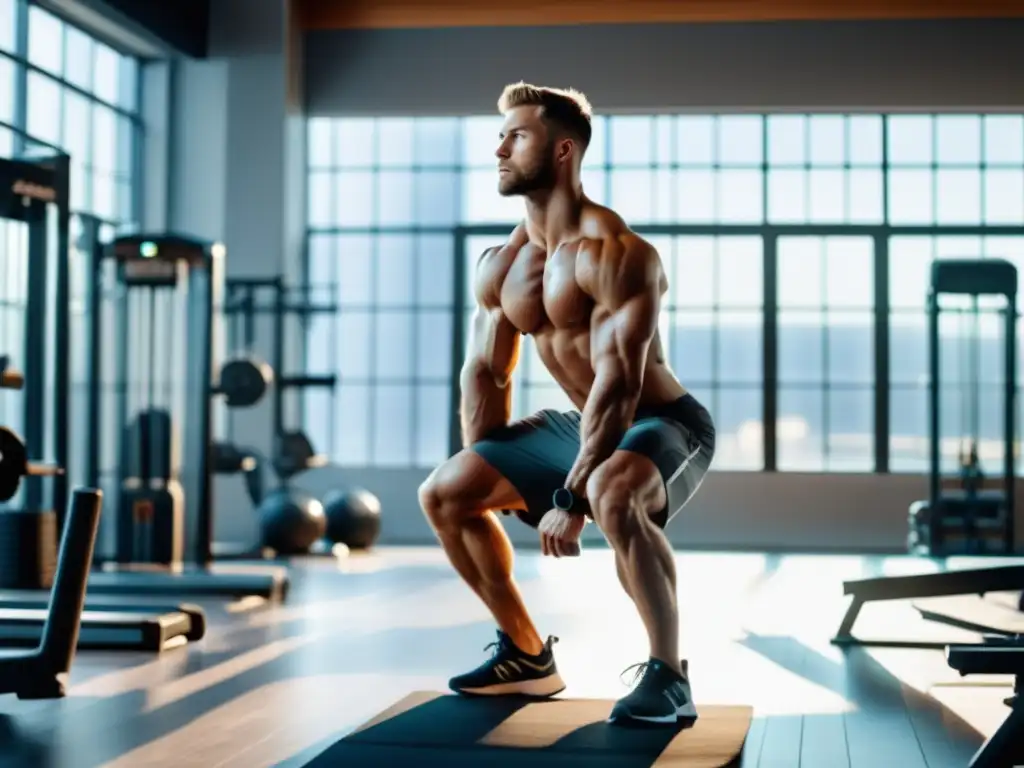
(151, 381)
(971, 513)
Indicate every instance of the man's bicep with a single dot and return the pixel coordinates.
(633, 306)
(493, 346)
(493, 343)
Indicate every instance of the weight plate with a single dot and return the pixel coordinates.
(13, 463)
(244, 381)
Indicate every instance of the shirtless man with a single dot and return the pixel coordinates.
(588, 290)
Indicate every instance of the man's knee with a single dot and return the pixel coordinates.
(616, 510)
(622, 496)
(439, 493)
(461, 487)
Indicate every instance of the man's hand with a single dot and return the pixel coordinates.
(560, 533)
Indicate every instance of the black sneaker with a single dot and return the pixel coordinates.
(660, 696)
(511, 672)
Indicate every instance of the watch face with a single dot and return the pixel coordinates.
(563, 499)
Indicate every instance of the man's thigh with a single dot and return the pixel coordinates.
(680, 456)
(535, 456)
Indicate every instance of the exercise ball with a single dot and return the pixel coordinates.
(291, 521)
(353, 518)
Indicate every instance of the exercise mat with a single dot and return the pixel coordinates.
(434, 729)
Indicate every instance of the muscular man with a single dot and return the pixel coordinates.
(588, 290)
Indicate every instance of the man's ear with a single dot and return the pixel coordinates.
(565, 148)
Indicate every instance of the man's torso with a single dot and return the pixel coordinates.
(550, 297)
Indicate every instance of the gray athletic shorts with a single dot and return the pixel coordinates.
(537, 453)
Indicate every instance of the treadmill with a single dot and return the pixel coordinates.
(160, 291)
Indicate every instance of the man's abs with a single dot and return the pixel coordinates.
(565, 354)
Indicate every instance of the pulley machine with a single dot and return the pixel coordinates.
(151, 377)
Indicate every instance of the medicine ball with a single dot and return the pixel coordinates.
(353, 518)
(291, 522)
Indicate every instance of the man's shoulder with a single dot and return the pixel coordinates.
(608, 235)
(621, 261)
(504, 252)
(494, 263)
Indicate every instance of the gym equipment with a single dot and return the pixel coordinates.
(294, 454)
(245, 378)
(150, 522)
(10, 378)
(28, 561)
(246, 299)
(108, 622)
(28, 549)
(972, 517)
(353, 518)
(34, 193)
(984, 614)
(977, 581)
(42, 673)
(29, 534)
(244, 381)
(14, 465)
(160, 291)
(229, 459)
(954, 518)
(117, 630)
(997, 656)
(291, 521)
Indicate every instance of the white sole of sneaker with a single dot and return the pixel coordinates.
(687, 712)
(541, 688)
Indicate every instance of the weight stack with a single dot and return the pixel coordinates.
(28, 549)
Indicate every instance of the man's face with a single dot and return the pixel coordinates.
(526, 161)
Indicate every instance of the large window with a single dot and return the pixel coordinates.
(826, 366)
(67, 89)
(797, 249)
(383, 201)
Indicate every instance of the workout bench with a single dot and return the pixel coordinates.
(975, 581)
(997, 656)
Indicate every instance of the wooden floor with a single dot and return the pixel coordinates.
(277, 685)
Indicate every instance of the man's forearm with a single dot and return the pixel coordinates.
(608, 413)
(485, 404)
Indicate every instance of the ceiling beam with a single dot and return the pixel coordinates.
(390, 14)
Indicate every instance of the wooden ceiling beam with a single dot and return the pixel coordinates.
(391, 14)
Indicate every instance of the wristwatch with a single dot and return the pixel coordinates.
(563, 499)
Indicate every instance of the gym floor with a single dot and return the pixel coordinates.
(276, 685)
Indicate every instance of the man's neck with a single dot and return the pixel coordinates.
(553, 217)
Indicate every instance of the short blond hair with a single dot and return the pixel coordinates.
(568, 108)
